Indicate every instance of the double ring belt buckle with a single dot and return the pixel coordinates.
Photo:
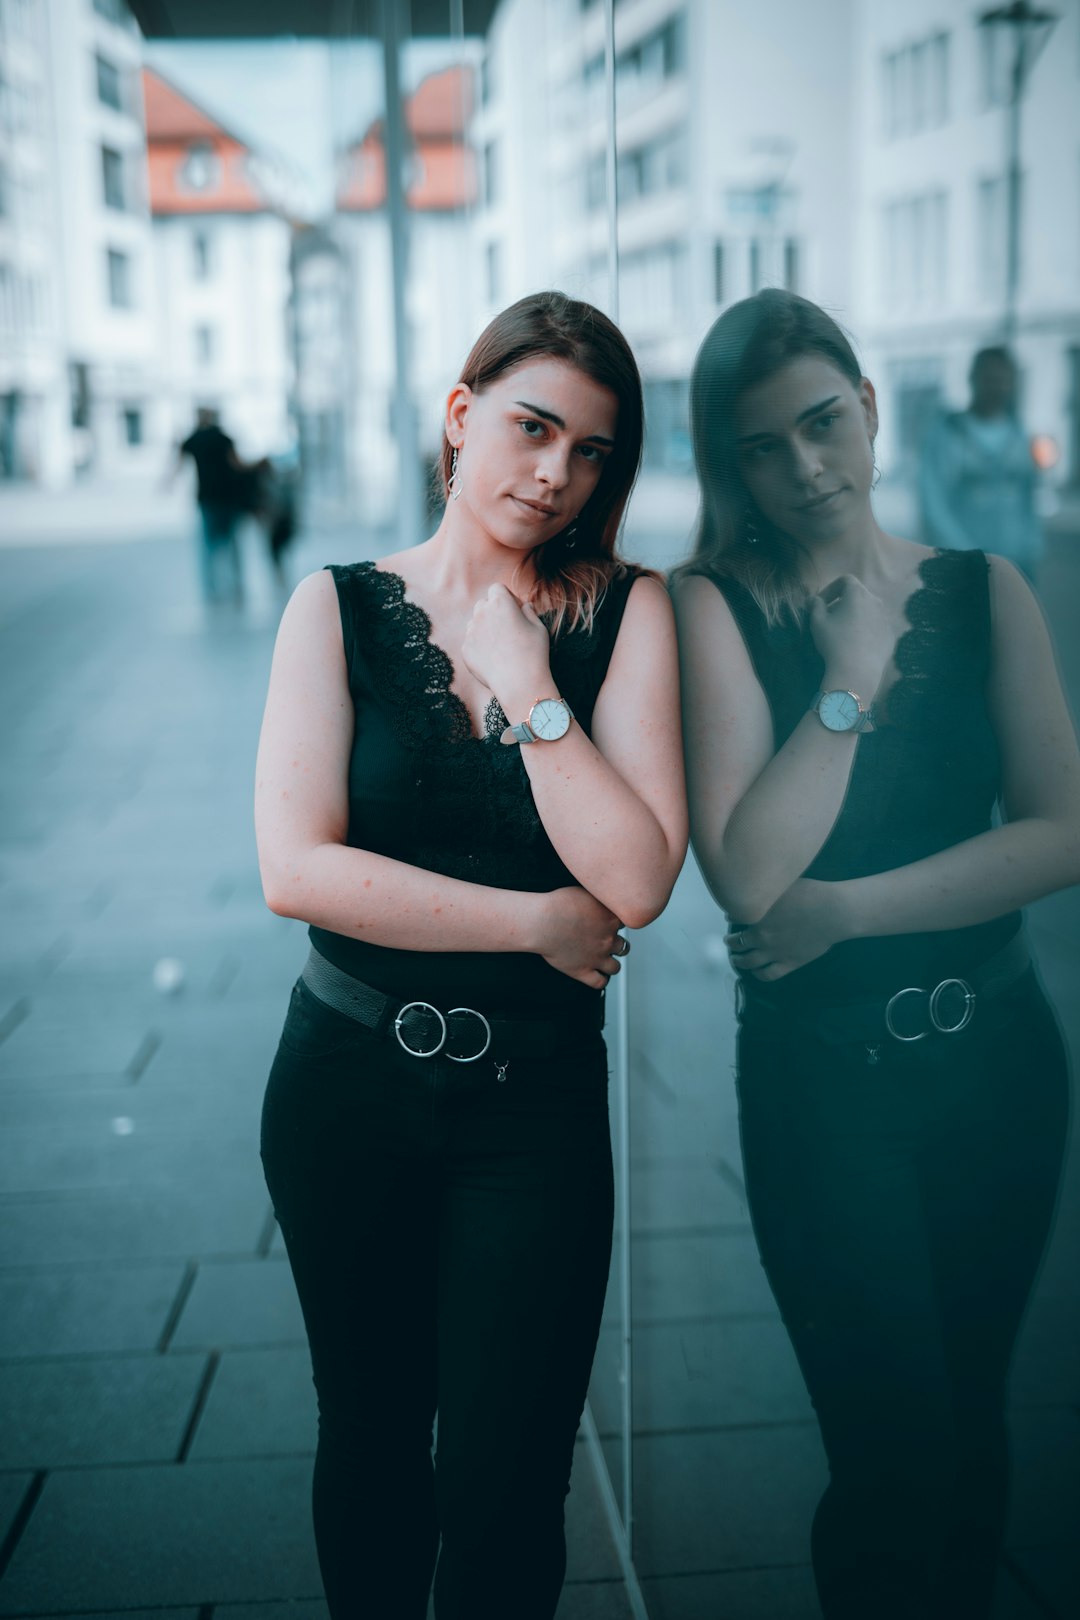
(443, 1032)
(933, 1009)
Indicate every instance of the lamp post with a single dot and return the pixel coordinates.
(1031, 28)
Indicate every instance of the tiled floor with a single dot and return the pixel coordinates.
(156, 1409)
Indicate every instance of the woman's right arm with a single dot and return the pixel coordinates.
(758, 814)
(302, 817)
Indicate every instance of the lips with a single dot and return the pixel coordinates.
(820, 501)
(536, 508)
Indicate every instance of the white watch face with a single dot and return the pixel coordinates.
(839, 711)
(550, 719)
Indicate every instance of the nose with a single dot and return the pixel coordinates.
(553, 466)
(806, 461)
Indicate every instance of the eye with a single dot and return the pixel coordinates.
(592, 453)
(757, 451)
(825, 421)
(527, 424)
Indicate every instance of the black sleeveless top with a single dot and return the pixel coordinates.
(424, 789)
(927, 777)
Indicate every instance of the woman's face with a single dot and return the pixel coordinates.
(804, 442)
(531, 448)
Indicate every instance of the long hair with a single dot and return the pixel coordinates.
(750, 342)
(570, 579)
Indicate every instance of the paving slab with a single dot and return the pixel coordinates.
(261, 1404)
(71, 1413)
(754, 1594)
(240, 1303)
(159, 1536)
(716, 1374)
(671, 1197)
(62, 1311)
(228, 1216)
(682, 1277)
(726, 1499)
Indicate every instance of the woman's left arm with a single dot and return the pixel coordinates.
(1035, 852)
(614, 806)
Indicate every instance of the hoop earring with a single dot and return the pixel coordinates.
(750, 534)
(876, 479)
(453, 483)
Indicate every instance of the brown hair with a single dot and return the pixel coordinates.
(751, 341)
(570, 579)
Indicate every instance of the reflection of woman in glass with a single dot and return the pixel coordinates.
(855, 705)
(469, 779)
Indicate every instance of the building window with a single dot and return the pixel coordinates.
(201, 168)
(718, 272)
(200, 256)
(112, 174)
(204, 345)
(119, 268)
(108, 84)
(659, 166)
(596, 181)
(493, 266)
(990, 236)
(132, 422)
(915, 250)
(487, 88)
(645, 66)
(756, 269)
(995, 65)
(915, 86)
(491, 174)
(791, 264)
(652, 286)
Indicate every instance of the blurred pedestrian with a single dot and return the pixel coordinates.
(977, 476)
(855, 706)
(469, 778)
(276, 503)
(220, 496)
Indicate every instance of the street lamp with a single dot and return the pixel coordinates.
(1031, 29)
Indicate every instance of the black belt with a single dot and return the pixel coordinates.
(909, 1014)
(463, 1034)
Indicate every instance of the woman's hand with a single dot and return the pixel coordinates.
(579, 936)
(805, 922)
(507, 647)
(854, 633)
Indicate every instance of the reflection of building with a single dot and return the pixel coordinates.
(322, 357)
(442, 295)
(932, 139)
(733, 172)
(77, 377)
(221, 250)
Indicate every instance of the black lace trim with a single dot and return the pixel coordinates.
(944, 617)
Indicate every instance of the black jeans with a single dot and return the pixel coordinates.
(450, 1237)
(901, 1210)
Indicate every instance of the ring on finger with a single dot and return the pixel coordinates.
(621, 946)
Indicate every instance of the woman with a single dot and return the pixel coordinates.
(469, 780)
(854, 706)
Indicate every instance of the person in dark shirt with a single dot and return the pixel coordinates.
(855, 706)
(469, 779)
(219, 473)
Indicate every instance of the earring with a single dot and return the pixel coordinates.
(453, 483)
(876, 479)
(750, 533)
(570, 537)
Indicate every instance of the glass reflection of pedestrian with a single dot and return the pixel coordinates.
(854, 705)
(977, 477)
(469, 779)
(219, 473)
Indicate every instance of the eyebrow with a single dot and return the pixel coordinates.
(812, 410)
(549, 416)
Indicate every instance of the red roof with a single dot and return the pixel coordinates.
(196, 165)
(443, 172)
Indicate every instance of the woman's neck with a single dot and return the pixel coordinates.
(865, 550)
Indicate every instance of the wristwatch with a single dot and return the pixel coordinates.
(549, 719)
(841, 710)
